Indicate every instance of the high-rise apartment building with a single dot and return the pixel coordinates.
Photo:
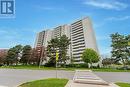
(82, 36)
(39, 39)
(80, 32)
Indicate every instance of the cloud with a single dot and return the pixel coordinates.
(106, 4)
(48, 8)
(118, 18)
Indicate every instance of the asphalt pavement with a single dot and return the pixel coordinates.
(114, 76)
(15, 77)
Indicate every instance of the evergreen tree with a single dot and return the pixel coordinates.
(18, 50)
(10, 56)
(26, 54)
(61, 45)
(120, 48)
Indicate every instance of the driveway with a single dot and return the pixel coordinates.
(15, 77)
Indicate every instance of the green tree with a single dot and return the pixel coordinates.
(60, 44)
(128, 62)
(63, 45)
(10, 56)
(120, 49)
(127, 38)
(18, 50)
(51, 51)
(13, 54)
(26, 54)
(90, 56)
(108, 61)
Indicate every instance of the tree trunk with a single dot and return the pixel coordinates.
(90, 63)
(64, 63)
(123, 62)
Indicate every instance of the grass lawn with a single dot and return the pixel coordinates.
(52, 82)
(123, 84)
(109, 70)
(53, 68)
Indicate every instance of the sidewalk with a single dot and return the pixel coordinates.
(86, 78)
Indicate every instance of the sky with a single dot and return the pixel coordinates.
(32, 16)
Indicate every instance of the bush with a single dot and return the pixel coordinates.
(70, 65)
(83, 65)
(49, 64)
(96, 67)
(124, 68)
(77, 65)
(1, 65)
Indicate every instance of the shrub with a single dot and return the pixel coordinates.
(77, 65)
(124, 68)
(49, 64)
(1, 65)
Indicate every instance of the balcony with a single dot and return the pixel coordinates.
(77, 30)
(81, 40)
(76, 27)
(77, 50)
(74, 37)
(76, 23)
(78, 53)
(78, 38)
(77, 33)
(78, 43)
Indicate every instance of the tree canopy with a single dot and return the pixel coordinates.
(13, 54)
(61, 45)
(120, 47)
(90, 56)
(26, 54)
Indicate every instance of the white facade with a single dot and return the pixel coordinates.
(39, 39)
(82, 37)
(81, 34)
(47, 37)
